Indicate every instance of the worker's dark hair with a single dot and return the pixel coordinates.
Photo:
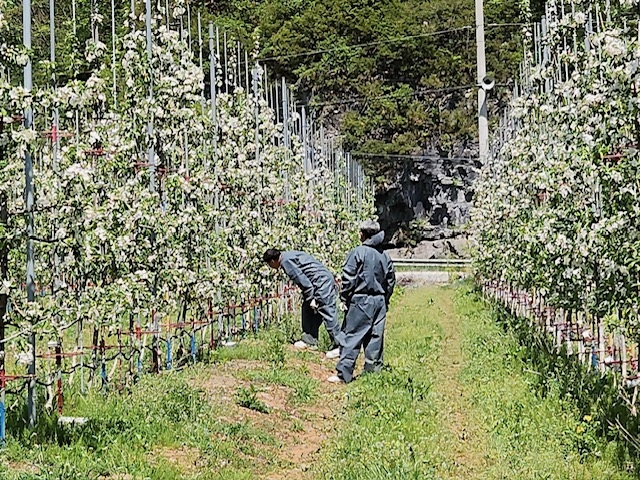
(271, 254)
(369, 228)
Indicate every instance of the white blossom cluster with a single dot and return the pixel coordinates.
(120, 234)
(557, 208)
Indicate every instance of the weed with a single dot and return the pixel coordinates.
(303, 388)
(275, 352)
(297, 426)
(248, 398)
(289, 327)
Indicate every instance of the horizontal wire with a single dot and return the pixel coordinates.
(389, 40)
(368, 44)
(391, 94)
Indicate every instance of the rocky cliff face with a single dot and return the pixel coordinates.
(429, 201)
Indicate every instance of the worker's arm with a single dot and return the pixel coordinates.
(390, 277)
(349, 277)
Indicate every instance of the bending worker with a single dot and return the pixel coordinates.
(368, 280)
(319, 294)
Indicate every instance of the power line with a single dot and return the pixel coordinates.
(392, 94)
(415, 93)
(390, 40)
(368, 44)
(425, 158)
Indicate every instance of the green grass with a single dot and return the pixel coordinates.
(126, 432)
(138, 432)
(304, 389)
(458, 400)
(391, 427)
(532, 436)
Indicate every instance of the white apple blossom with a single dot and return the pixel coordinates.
(557, 204)
(113, 249)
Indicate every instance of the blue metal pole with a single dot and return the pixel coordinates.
(255, 319)
(3, 436)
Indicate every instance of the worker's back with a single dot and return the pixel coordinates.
(366, 271)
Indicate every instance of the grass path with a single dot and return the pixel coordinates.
(467, 438)
(456, 400)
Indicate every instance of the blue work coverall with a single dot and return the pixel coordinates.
(368, 280)
(315, 282)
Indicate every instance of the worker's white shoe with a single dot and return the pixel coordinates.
(300, 345)
(335, 379)
(335, 353)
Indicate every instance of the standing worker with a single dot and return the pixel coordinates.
(368, 280)
(319, 294)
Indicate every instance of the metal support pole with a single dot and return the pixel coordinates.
(73, 17)
(113, 53)
(246, 73)
(483, 126)
(151, 151)
(226, 63)
(189, 27)
(213, 87)
(4, 271)
(287, 146)
(238, 76)
(265, 84)
(276, 103)
(29, 200)
(56, 113)
(285, 114)
(305, 156)
(200, 55)
(256, 111)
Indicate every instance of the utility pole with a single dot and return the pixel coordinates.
(484, 84)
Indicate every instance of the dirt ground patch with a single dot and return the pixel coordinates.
(299, 430)
(22, 467)
(187, 459)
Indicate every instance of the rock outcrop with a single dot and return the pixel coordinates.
(429, 201)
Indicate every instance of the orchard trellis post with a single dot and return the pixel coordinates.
(29, 203)
(144, 214)
(556, 211)
(4, 273)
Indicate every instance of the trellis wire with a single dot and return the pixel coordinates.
(573, 332)
(115, 358)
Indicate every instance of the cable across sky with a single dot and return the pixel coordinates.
(381, 42)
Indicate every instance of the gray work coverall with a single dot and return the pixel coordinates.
(315, 282)
(368, 280)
